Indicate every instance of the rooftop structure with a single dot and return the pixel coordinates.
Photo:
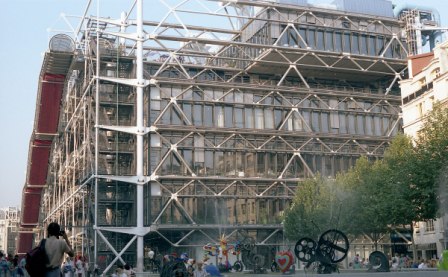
(169, 134)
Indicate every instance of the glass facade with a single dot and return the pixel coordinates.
(228, 134)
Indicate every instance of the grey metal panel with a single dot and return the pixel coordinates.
(372, 7)
(293, 2)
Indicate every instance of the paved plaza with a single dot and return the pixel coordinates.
(347, 273)
(360, 273)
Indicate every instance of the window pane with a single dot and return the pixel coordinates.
(369, 125)
(312, 38)
(297, 121)
(208, 115)
(239, 118)
(386, 127)
(303, 35)
(315, 124)
(199, 149)
(379, 45)
(338, 42)
(342, 124)
(372, 51)
(329, 41)
(364, 42)
(261, 164)
(219, 163)
(238, 97)
(320, 40)
(306, 117)
(389, 50)
(197, 115)
(208, 166)
(351, 124)
(324, 122)
(248, 112)
(278, 117)
(269, 120)
(219, 116)
(346, 42)
(259, 118)
(186, 108)
(377, 126)
(355, 43)
(360, 124)
(228, 111)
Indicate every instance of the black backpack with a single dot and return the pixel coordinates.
(36, 260)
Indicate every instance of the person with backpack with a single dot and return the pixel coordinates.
(55, 249)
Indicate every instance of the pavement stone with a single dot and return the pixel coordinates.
(351, 273)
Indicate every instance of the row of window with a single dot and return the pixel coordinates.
(279, 119)
(337, 41)
(217, 211)
(248, 97)
(245, 165)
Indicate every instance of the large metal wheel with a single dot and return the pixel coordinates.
(378, 262)
(305, 250)
(333, 245)
(238, 266)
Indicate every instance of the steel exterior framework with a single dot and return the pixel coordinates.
(173, 134)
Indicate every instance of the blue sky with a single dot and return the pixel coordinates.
(24, 40)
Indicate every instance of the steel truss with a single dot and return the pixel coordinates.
(173, 134)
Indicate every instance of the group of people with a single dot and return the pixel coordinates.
(402, 261)
(11, 266)
(397, 262)
(75, 267)
(124, 271)
(359, 262)
(186, 267)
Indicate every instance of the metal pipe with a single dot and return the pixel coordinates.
(97, 120)
(140, 132)
(435, 36)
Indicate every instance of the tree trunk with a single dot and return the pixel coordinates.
(414, 247)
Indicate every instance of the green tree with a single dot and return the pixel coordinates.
(368, 213)
(314, 209)
(430, 163)
(400, 159)
(380, 195)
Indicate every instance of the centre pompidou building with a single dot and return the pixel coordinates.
(179, 124)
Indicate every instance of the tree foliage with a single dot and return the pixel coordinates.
(430, 163)
(314, 209)
(380, 194)
(366, 200)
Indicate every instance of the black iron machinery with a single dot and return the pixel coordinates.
(378, 262)
(325, 254)
(255, 258)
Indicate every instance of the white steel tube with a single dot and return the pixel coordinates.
(97, 121)
(140, 132)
